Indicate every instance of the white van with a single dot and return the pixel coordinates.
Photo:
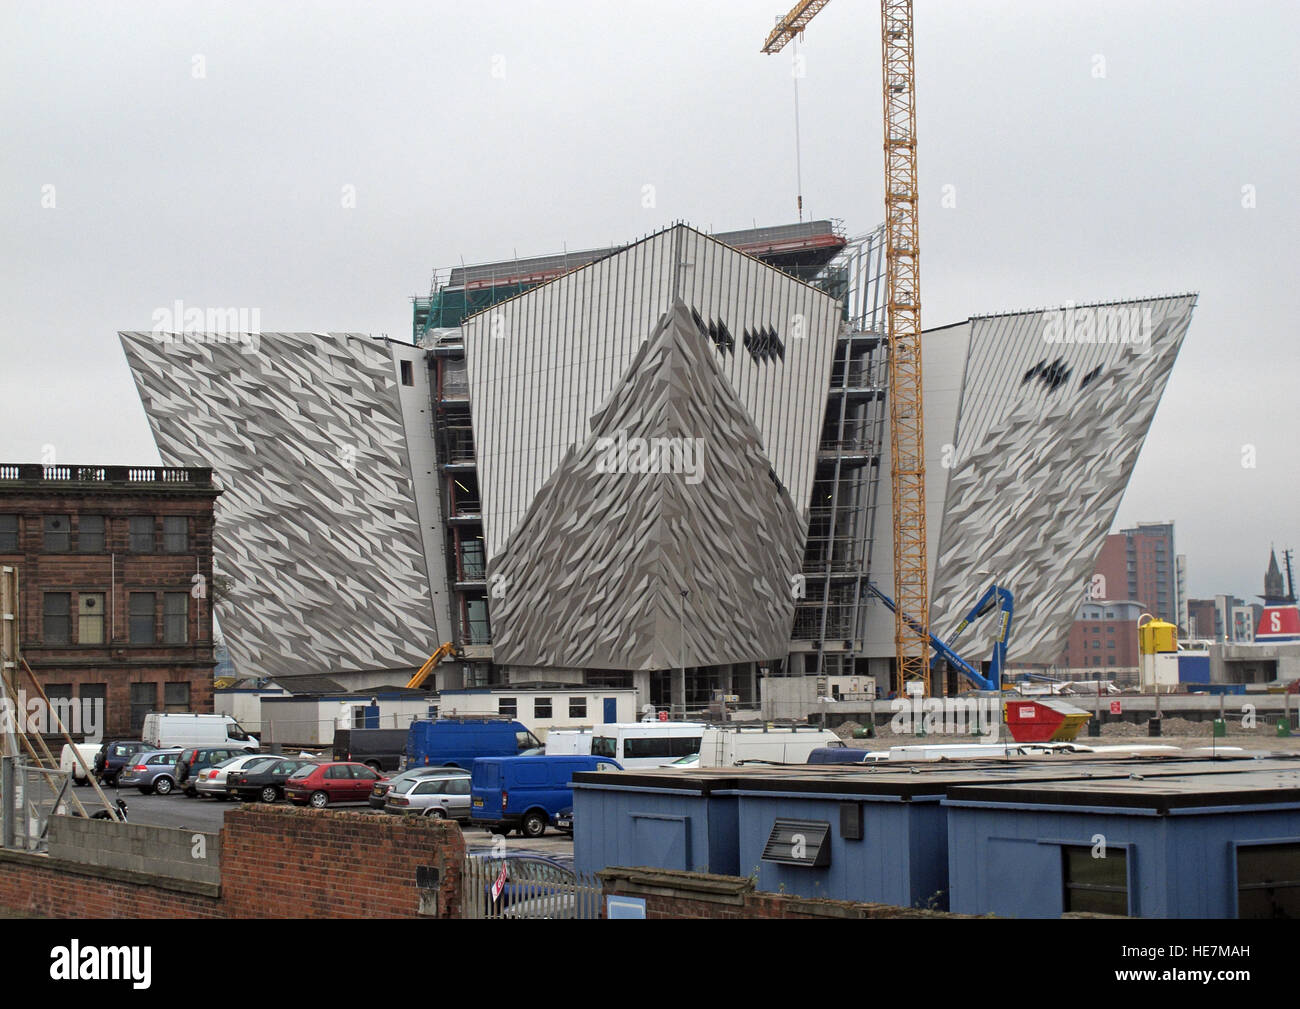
(68, 760)
(569, 742)
(731, 745)
(646, 744)
(164, 731)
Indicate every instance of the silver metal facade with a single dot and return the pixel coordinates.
(1054, 409)
(540, 365)
(663, 539)
(318, 524)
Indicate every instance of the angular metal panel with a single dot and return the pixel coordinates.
(540, 365)
(317, 525)
(671, 490)
(1055, 408)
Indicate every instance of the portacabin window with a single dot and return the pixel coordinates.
(508, 706)
(541, 707)
(1097, 885)
(1268, 881)
(577, 707)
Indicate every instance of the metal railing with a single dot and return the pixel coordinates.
(487, 894)
(37, 473)
(29, 796)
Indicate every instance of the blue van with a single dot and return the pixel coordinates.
(458, 742)
(526, 793)
(839, 755)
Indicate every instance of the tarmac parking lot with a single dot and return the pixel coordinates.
(207, 815)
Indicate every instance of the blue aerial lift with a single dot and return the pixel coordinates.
(994, 596)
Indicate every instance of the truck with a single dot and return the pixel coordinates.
(731, 745)
(459, 741)
(380, 749)
(173, 729)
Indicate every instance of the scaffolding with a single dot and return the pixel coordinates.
(842, 512)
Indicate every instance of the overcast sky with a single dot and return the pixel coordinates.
(1099, 150)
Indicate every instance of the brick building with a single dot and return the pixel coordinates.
(1104, 637)
(109, 604)
(1140, 564)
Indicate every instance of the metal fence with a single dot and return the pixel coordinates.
(29, 796)
(526, 890)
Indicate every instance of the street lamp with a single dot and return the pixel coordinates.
(681, 643)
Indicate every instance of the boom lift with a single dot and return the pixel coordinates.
(994, 596)
(445, 649)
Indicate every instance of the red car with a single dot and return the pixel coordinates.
(318, 785)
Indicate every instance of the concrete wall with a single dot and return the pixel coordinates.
(182, 854)
(343, 865)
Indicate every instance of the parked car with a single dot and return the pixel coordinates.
(263, 780)
(150, 771)
(199, 758)
(379, 794)
(528, 878)
(77, 768)
(564, 820)
(319, 784)
(211, 783)
(444, 797)
(526, 793)
(378, 749)
(113, 755)
(458, 742)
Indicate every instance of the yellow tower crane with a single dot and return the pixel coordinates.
(902, 266)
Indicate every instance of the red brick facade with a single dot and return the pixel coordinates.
(88, 576)
(276, 862)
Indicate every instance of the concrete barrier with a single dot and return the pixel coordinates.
(136, 847)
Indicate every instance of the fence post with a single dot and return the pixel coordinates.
(7, 797)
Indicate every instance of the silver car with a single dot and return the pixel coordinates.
(150, 771)
(211, 782)
(442, 797)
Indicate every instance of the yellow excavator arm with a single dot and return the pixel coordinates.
(444, 649)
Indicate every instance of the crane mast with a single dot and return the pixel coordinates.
(902, 267)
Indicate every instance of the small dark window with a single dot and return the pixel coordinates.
(508, 706)
(577, 707)
(142, 618)
(8, 534)
(176, 697)
(144, 699)
(1098, 885)
(1268, 881)
(176, 529)
(58, 535)
(541, 707)
(408, 373)
(176, 613)
(58, 618)
(142, 534)
(90, 534)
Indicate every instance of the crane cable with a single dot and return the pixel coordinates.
(798, 159)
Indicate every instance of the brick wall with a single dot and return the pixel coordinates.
(276, 862)
(670, 893)
(283, 862)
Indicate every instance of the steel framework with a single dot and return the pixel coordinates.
(902, 257)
